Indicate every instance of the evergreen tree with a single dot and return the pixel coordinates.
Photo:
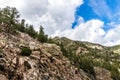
(30, 30)
(21, 26)
(9, 18)
(41, 36)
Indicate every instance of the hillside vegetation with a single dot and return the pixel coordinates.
(87, 56)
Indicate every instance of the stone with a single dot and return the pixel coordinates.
(102, 74)
(32, 45)
(36, 54)
(3, 77)
(45, 76)
(1, 54)
(27, 65)
(2, 43)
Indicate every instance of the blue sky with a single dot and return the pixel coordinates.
(104, 10)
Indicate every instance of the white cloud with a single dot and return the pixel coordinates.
(54, 15)
(113, 36)
(93, 31)
(87, 31)
(61, 15)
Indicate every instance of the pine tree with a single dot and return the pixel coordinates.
(21, 26)
(9, 18)
(41, 36)
(30, 30)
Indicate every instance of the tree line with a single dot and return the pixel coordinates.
(10, 23)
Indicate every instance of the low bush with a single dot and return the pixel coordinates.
(26, 51)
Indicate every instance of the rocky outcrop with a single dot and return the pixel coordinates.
(45, 63)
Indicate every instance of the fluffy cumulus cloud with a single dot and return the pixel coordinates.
(112, 36)
(53, 15)
(91, 31)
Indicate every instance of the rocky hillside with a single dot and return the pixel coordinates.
(46, 61)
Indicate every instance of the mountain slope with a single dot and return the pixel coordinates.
(116, 49)
(90, 56)
(64, 60)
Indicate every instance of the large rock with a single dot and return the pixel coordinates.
(53, 49)
(2, 43)
(3, 77)
(102, 74)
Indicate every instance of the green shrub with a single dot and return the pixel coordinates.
(41, 35)
(26, 51)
